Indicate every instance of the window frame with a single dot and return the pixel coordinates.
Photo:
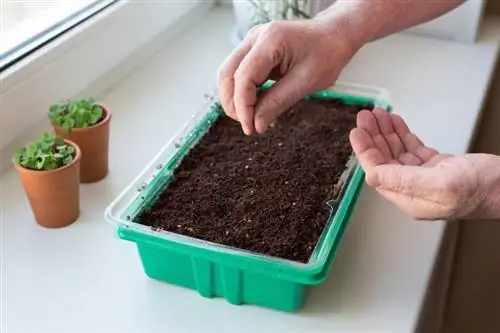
(46, 30)
(73, 63)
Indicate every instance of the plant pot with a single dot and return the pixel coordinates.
(237, 273)
(54, 195)
(94, 145)
(247, 15)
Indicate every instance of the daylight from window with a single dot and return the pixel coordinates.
(26, 23)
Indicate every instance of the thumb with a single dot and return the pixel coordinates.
(409, 180)
(280, 97)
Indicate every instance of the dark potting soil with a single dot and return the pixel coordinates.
(263, 193)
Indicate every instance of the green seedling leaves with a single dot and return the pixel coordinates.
(49, 152)
(78, 113)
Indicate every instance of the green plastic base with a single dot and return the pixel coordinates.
(212, 279)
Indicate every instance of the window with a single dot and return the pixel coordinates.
(29, 24)
(74, 47)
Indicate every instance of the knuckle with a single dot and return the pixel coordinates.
(223, 73)
(370, 179)
(275, 27)
(254, 31)
(240, 75)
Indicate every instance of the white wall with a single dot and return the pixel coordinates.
(459, 25)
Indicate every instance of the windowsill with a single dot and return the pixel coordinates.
(82, 278)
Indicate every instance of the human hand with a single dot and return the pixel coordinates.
(425, 184)
(303, 56)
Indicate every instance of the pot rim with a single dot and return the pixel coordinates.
(77, 158)
(103, 122)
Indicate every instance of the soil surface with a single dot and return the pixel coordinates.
(264, 193)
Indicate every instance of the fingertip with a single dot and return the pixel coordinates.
(372, 179)
(353, 136)
(261, 125)
(367, 121)
(400, 124)
(379, 109)
(360, 140)
(247, 130)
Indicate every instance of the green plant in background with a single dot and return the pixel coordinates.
(79, 113)
(47, 153)
(288, 9)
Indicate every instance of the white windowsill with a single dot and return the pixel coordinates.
(83, 279)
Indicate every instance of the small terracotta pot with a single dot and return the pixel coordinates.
(54, 195)
(94, 144)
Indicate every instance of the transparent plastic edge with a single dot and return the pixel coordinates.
(152, 168)
(380, 97)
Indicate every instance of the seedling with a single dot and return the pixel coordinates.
(266, 11)
(47, 153)
(79, 113)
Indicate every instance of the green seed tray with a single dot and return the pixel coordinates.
(215, 270)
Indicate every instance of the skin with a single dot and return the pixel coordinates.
(419, 180)
(308, 55)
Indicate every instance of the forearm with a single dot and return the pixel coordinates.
(367, 20)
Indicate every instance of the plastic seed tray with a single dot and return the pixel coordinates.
(214, 270)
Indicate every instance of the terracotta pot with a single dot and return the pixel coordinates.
(94, 144)
(54, 195)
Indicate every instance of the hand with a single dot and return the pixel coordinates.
(419, 180)
(304, 55)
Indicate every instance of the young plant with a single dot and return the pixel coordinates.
(79, 113)
(47, 153)
(266, 10)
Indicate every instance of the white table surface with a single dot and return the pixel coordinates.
(83, 279)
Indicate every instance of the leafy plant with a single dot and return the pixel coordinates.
(47, 153)
(79, 113)
(284, 9)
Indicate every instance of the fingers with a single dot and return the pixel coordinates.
(387, 130)
(411, 142)
(253, 70)
(367, 121)
(367, 153)
(226, 77)
(280, 97)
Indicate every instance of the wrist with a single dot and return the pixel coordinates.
(490, 208)
(487, 191)
(356, 21)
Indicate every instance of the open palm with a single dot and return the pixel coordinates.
(419, 180)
